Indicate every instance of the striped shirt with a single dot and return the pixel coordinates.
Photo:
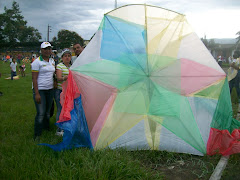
(65, 72)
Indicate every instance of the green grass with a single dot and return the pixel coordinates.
(225, 65)
(22, 158)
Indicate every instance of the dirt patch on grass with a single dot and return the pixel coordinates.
(177, 166)
(182, 170)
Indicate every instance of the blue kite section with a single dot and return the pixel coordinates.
(76, 133)
(123, 42)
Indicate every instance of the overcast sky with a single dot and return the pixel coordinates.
(213, 18)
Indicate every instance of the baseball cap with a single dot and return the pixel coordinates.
(65, 51)
(45, 44)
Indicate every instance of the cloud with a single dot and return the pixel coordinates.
(211, 17)
(218, 23)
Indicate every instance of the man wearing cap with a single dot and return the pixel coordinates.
(43, 69)
(77, 48)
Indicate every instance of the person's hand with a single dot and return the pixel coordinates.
(38, 98)
(64, 78)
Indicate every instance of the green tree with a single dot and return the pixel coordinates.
(210, 44)
(29, 34)
(238, 40)
(66, 38)
(55, 43)
(54, 39)
(14, 28)
(205, 42)
(1, 28)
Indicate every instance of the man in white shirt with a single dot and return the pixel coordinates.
(43, 69)
(14, 68)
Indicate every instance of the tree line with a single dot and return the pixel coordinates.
(15, 33)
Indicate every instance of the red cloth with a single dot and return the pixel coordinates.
(222, 142)
(69, 93)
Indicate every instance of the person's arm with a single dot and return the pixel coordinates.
(59, 75)
(234, 65)
(35, 73)
(16, 69)
(35, 87)
(11, 67)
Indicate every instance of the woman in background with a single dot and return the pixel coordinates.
(62, 71)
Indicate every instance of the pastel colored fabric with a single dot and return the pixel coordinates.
(148, 82)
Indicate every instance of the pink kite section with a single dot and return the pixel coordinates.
(222, 142)
(95, 95)
(97, 100)
(195, 76)
(69, 93)
(101, 119)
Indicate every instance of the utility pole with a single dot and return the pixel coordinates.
(48, 31)
(115, 4)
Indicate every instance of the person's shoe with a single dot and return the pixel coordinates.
(59, 132)
(36, 138)
(62, 132)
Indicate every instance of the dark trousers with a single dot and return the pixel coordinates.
(235, 83)
(13, 74)
(57, 100)
(43, 111)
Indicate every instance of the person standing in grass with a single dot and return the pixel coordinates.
(43, 69)
(62, 71)
(234, 82)
(22, 69)
(13, 66)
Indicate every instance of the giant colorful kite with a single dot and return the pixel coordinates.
(148, 82)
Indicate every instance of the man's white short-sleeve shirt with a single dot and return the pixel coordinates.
(13, 66)
(45, 72)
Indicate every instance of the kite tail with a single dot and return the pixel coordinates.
(72, 119)
(222, 142)
(69, 93)
(76, 133)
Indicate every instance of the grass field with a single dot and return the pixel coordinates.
(22, 158)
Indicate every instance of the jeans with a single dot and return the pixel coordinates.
(13, 74)
(43, 111)
(57, 100)
(235, 83)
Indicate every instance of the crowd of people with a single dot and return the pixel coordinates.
(17, 63)
(48, 74)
